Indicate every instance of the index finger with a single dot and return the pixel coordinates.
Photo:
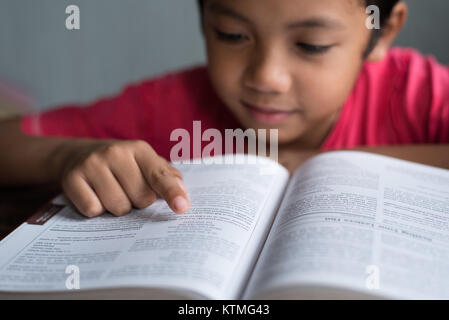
(164, 180)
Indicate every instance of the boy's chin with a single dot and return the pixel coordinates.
(283, 136)
(286, 132)
(287, 139)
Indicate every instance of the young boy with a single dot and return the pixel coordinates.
(310, 68)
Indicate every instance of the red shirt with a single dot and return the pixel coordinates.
(404, 99)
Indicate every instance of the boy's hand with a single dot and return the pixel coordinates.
(118, 175)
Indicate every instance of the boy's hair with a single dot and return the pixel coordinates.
(385, 8)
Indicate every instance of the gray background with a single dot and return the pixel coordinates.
(123, 41)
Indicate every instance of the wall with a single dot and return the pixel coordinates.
(122, 41)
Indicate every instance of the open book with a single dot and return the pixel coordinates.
(345, 225)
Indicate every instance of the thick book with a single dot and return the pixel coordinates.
(345, 225)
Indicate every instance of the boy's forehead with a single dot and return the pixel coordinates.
(331, 13)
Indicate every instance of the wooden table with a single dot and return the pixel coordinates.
(17, 204)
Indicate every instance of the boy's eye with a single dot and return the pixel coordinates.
(313, 49)
(230, 37)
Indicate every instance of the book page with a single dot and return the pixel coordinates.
(361, 223)
(207, 250)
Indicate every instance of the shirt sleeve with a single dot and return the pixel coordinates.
(423, 94)
(149, 110)
(113, 118)
(438, 130)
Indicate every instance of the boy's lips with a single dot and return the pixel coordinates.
(268, 115)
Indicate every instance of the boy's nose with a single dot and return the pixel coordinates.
(267, 73)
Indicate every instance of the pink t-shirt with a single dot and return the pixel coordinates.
(404, 99)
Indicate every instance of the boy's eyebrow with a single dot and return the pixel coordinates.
(313, 22)
(316, 22)
(220, 9)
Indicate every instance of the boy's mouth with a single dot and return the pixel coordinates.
(268, 115)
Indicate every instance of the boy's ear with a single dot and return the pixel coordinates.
(390, 31)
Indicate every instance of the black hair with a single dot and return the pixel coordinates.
(385, 9)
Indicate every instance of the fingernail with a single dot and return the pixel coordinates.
(181, 185)
(180, 204)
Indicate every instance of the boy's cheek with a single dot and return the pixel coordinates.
(225, 69)
(226, 79)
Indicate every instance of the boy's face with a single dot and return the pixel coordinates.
(285, 64)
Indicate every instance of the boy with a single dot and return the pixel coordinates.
(310, 68)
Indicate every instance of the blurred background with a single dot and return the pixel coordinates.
(42, 64)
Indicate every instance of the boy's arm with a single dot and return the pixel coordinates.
(97, 175)
(27, 160)
(432, 155)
